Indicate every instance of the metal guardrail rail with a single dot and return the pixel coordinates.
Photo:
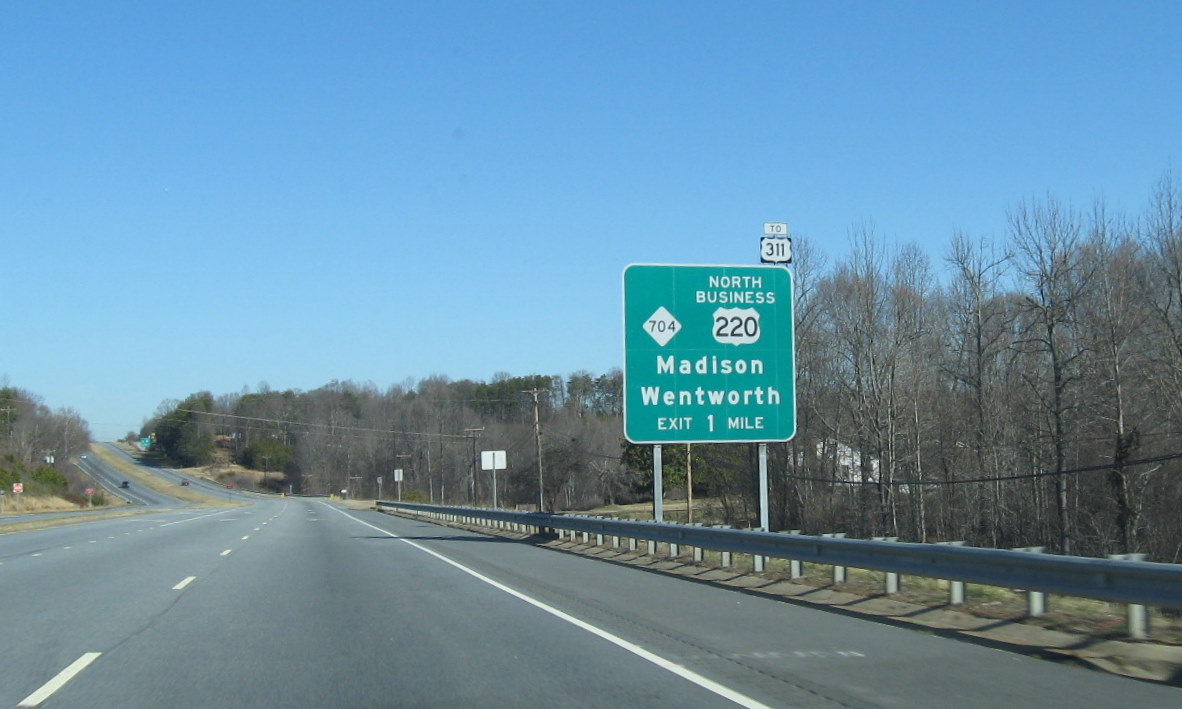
(1119, 581)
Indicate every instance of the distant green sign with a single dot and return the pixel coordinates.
(708, 354)
(146, 443)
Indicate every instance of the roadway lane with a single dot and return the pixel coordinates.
(294, 603)
(96, 584)
(318, 610)
(135, 493)
(174, 477)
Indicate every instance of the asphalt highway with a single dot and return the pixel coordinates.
(299, 603)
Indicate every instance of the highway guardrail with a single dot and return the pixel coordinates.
(1126, 581)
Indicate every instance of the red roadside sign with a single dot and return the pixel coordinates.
(18, 488)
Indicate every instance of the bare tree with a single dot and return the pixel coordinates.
(1047, 239)
(977, 325)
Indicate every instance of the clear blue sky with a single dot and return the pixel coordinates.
(209, 195)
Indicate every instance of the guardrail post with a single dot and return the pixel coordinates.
(698, 554)
(1137, 615)
(1036, 601)
(891, 580)
(632, 544)
(838, 571)
(795, 569)
(652, 548)
(955, 588)
(727, 558)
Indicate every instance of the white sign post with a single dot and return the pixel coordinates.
(398, 480)
(493, 460)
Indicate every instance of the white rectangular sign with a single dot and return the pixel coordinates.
(775, 228)
(397, 475)
(492, 460)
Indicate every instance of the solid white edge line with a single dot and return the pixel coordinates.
(59, 681)
(187, 580)
(668, 665)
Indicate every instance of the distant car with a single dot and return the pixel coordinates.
(185, 482)
(125, 484)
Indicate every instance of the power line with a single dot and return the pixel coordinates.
(335, 427)
(1003, 478)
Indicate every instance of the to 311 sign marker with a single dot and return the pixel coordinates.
(775, 246)
(708, 354)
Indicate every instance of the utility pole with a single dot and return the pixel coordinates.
(538, 437)
(8, 411)
(430, 482)
(474, 435)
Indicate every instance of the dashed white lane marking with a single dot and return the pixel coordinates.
(190, 519)
(668, 665)
(187, 580)
(59, 681)
(227, 552)
(246, 537)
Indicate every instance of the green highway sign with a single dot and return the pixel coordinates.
(708, 354)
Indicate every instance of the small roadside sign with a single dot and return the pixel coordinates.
(18, 488)
(492, 460)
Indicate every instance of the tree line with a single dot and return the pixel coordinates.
(344, 436)
(36, 444)
(1015, 391)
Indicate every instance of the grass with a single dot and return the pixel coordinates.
(25, 503)
(26, 525)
